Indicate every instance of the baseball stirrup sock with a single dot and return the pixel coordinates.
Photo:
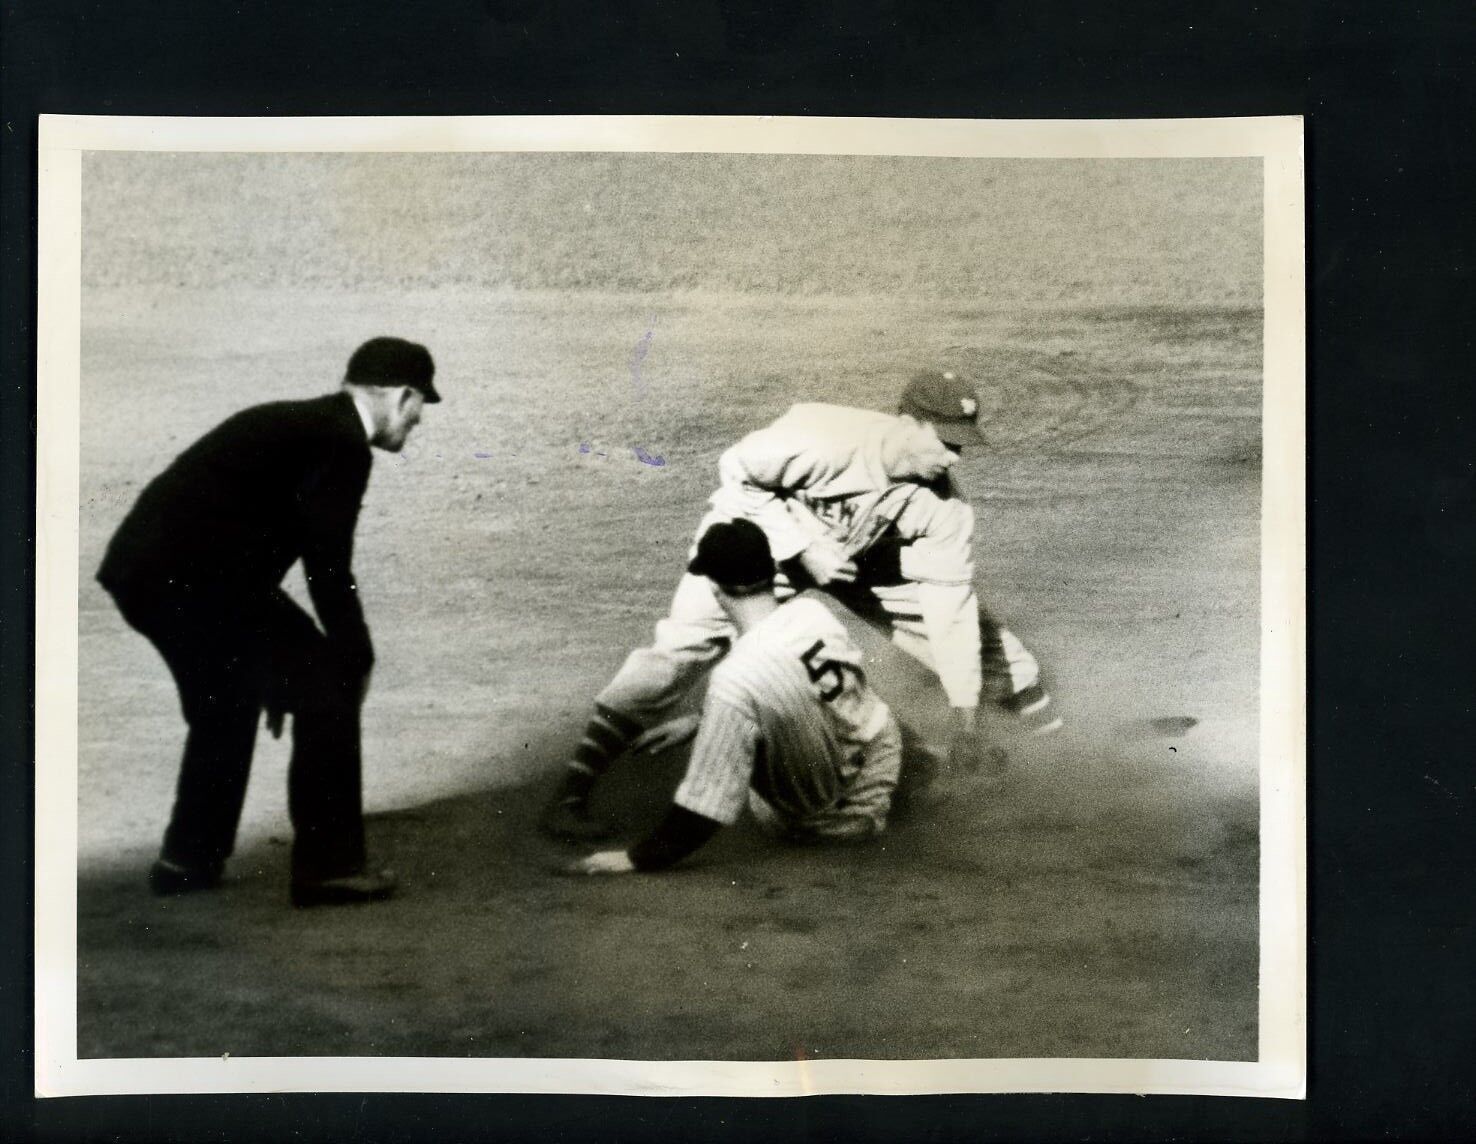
(605, 740)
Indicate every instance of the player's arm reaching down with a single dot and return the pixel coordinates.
(711, 796)
(680, 833)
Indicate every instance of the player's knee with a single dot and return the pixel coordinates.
(650, 681)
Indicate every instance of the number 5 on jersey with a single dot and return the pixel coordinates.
(825, 672)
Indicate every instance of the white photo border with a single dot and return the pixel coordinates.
(1279, 1071)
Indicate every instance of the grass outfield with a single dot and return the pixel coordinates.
(1103, 903)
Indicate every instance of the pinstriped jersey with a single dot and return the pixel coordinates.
(787, 712)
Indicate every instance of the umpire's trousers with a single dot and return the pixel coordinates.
(231, 656)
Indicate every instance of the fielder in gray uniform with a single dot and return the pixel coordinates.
(790, 727)
(863, 505)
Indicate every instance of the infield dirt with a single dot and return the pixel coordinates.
(1101, 903)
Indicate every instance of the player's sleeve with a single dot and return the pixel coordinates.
(678, 834)
(755, 474)
(939, 559)
(328, 512)
(721, 767)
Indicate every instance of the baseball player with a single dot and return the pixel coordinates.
(863, 505)
(789, 727)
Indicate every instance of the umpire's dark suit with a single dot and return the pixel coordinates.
(196, 567)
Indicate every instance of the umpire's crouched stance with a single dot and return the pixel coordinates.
(196, 567)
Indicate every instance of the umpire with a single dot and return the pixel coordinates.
(197, 566)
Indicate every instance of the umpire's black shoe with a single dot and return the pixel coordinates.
(349, 890)
(167, 878)
(570, 820)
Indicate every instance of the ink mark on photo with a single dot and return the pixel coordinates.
(640, 454)
(643, 347)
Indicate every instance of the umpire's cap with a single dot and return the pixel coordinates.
(948, 402)
(735, 556)
(394, 361)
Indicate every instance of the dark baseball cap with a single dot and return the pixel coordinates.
(948, 402)
(734, 555)
(393, 361)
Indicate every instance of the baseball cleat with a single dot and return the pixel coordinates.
(349, 890)
(167, 878)
(1031, 706)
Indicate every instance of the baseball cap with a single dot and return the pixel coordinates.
(734, 555)
(393, 361)
(948, 402)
